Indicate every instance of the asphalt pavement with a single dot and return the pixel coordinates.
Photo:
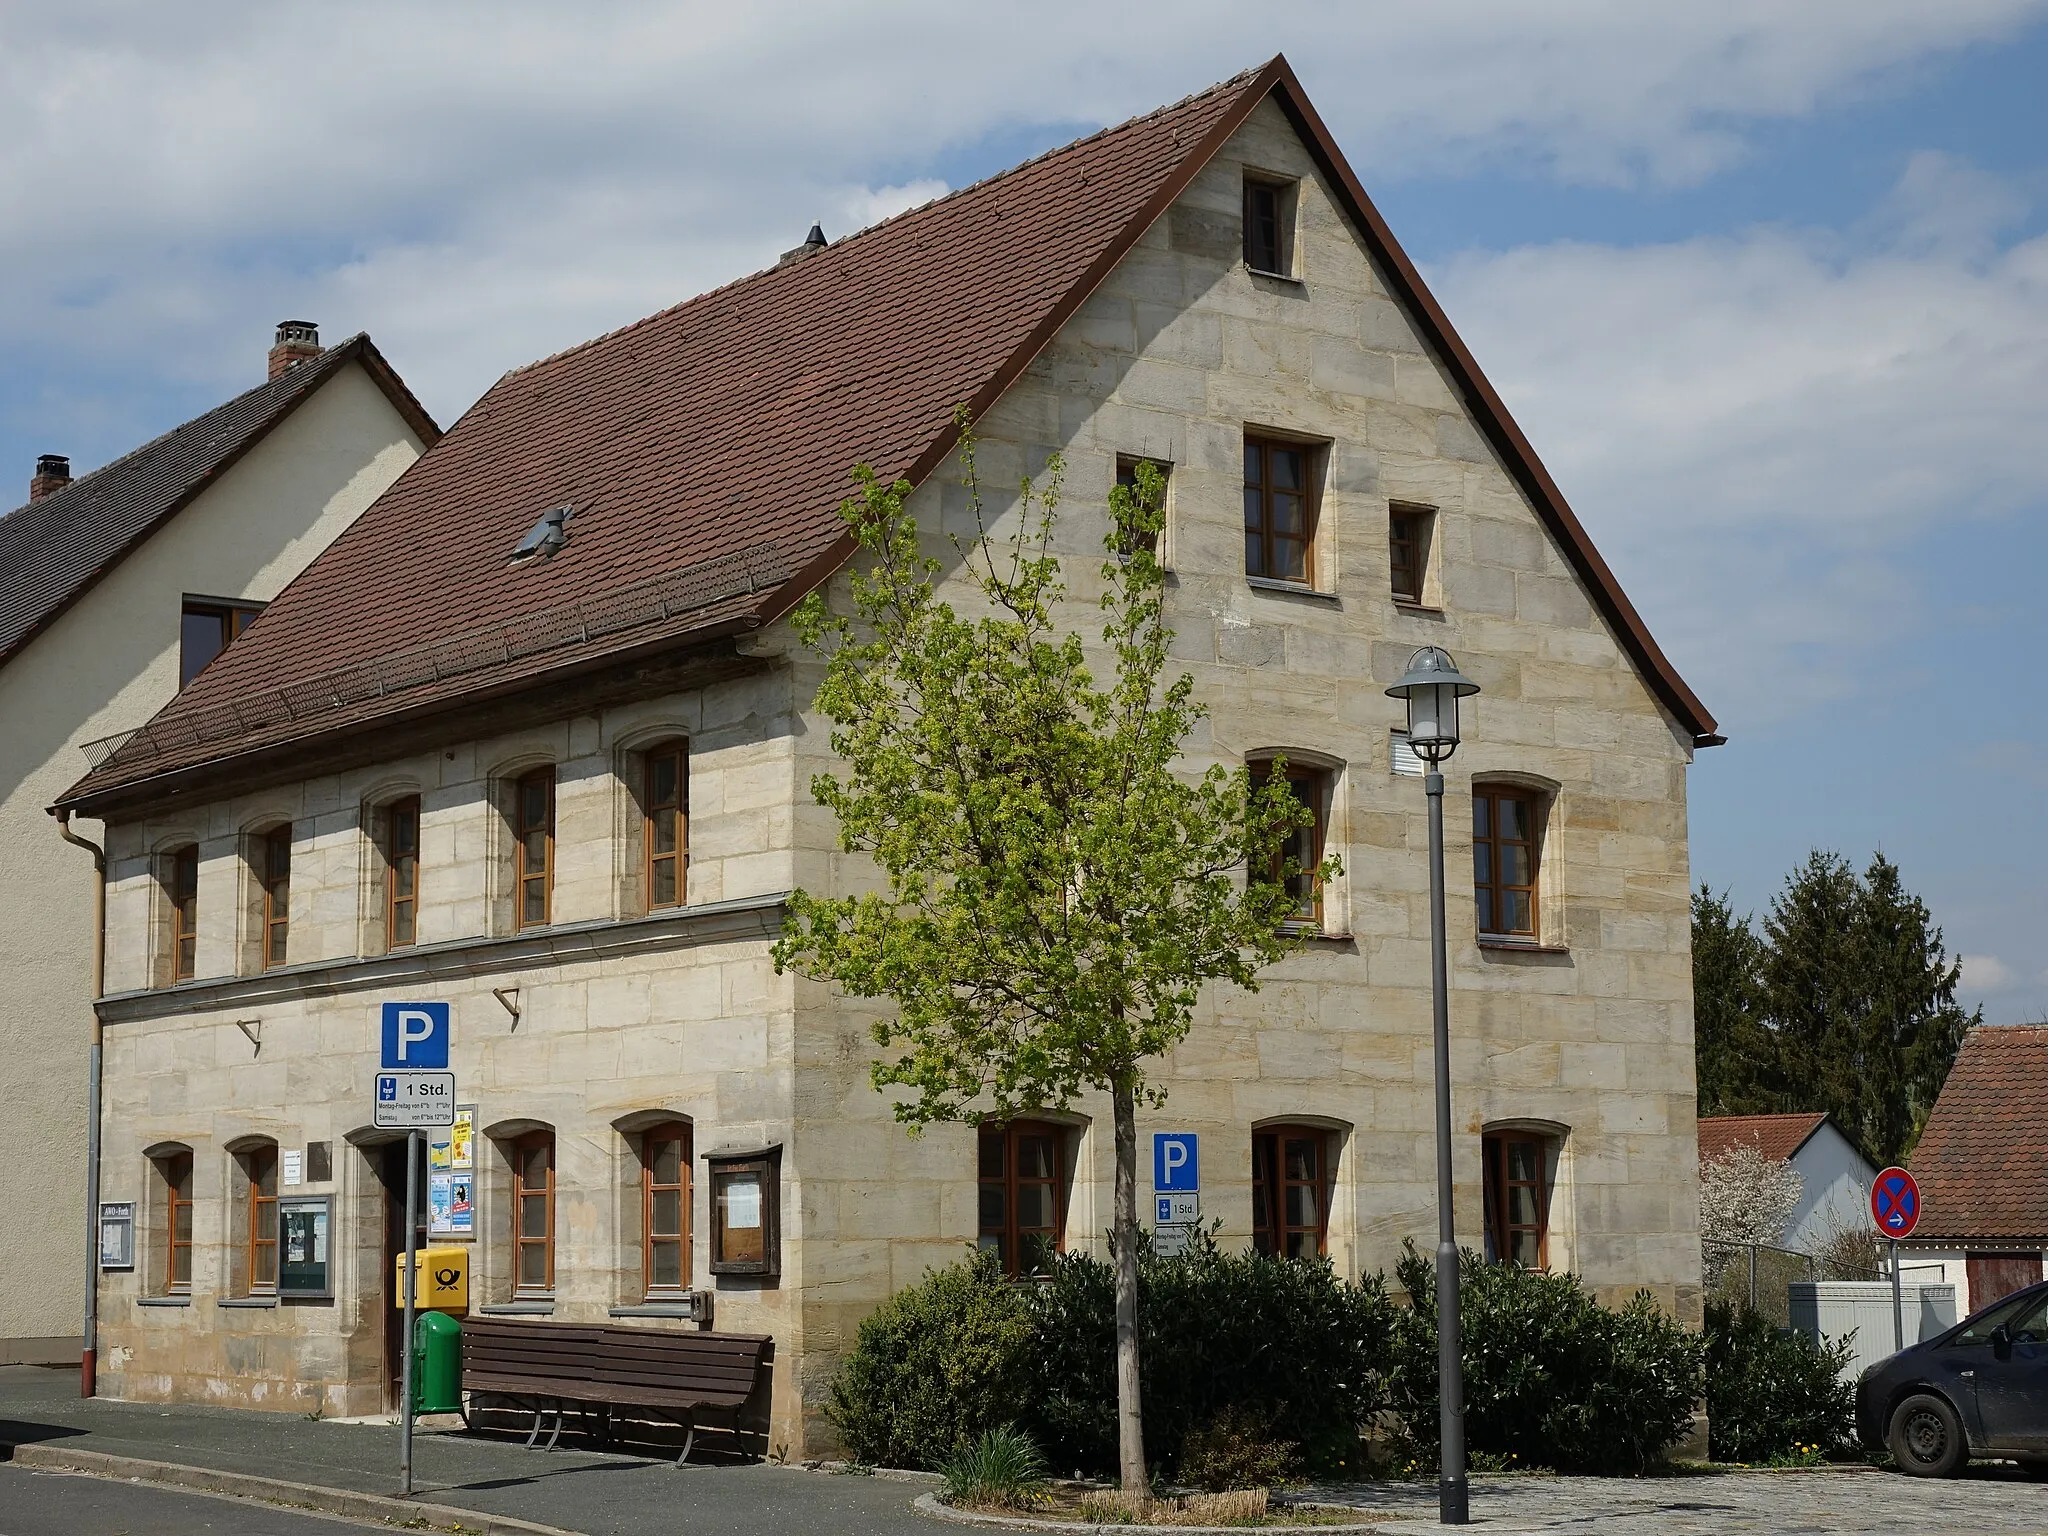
(59, 1504)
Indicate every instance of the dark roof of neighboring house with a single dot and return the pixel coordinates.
(1982, 1160)
(1776, 1136)
(706, 451)
(53, 550)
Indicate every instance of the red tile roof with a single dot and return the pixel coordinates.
(53, 550)
(723, 430)
(1982, 1161)
(1776, 1136)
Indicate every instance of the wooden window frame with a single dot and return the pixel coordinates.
(1409, 531)
(1497, 1186)
(261, 1215)
(1487, 893)
(1127, 478)
(169, 1168)
(524, 877)
(274, 870)
(1281, 191)
(1264, 446)
(181, 888)
(235, 619)
(668, 1132)
(521, 1193)
(399, 816)
(1009, 1235)
(1315, 791)
(678, 859)
(1270, 1184)
(765, 1167)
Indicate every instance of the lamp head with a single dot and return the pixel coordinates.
(1432, 686)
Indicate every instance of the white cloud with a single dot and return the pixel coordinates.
(483, 183)
(1987, 976)
(1756, 429)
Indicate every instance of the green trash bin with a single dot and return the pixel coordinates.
(436, 1364)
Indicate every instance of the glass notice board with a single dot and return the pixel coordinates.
(305, 1246)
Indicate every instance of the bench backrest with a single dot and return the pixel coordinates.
(720, 1367)
(504, 1346)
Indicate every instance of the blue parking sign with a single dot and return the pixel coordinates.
(415, 1036)
(1175, 1166)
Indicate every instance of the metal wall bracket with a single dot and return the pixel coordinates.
(253, 1028)
(508, 999)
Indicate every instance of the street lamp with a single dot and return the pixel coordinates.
(1432, 687)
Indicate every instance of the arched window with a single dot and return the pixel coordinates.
(665, 833)
(1290, 1191)
(256, 1219)
(273, 861)
(1023, 1194)
(401, 872)
(172, 1169)
(181, 896)
(665, 1255)
(533, 1214)
(533, 829)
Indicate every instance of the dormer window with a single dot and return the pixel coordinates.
(545, 536)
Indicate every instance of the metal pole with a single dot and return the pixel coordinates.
(405, 1374)
(1453, 1507)
(1752, 1277)
(1898, 1311)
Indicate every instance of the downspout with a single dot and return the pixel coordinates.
(89, 1359)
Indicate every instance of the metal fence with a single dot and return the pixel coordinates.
(1760, 1275)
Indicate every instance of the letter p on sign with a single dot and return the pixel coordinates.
(415, 1036)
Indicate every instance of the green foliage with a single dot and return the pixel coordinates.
(1237, 1448)
(1845, 1002)
(935, 1367)
(1001, 1468)
(1552, 1378)
(1056, 890)
(1772, 1395)
(1227, 1337)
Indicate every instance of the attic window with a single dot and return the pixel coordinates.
(546, 536)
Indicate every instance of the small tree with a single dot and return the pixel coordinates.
(1056, 891)
(1745, 1197)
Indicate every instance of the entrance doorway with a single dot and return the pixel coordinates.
(389, 1163)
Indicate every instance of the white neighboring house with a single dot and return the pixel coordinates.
(1837, 1177)
(115, 589)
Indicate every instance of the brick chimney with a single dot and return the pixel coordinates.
(53, 473)
(814, 242)
(296, 341)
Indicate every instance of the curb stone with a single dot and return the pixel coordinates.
(378, 1508)
(929, 1504)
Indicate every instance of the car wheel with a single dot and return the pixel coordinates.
(1926, 1438)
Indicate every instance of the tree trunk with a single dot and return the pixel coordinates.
(1130, 1414)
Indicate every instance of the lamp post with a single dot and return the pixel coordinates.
(1432, 687)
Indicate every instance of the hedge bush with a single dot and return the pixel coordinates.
(1770, 1391)
(1552, 1378)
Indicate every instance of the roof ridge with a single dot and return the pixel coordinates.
(761, 273)
(322, 359)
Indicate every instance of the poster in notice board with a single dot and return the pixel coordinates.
(305, 1261)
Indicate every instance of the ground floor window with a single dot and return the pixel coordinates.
(665, 1208)
(533, 1213)
(1021, 1206)
(1290, 1196)
(1517, 1198)
(258, 1166)
(174, 1193)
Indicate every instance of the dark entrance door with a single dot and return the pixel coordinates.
(389, 1162)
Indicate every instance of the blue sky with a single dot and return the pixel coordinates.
(1766, 285)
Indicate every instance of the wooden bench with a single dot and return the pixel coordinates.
(682, 1376)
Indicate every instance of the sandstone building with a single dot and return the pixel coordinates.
(115, 589)
(533, 738)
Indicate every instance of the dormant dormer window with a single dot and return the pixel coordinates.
(545, 537)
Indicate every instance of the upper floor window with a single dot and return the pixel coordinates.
(181, 893)
(206, 629)
(1408, 537)
(665, 804)
(1505, 846)
(401, 872)
(1279, 510)
(173, 1172)
(533, 1213)
(533, 826)
(1021, 1189)
(258, 1168)
(665, 1209)
(1290, 1214)
(1268, 226)
(1296, 860)
(274, 868)
(1517, 1197)
(1127, 479)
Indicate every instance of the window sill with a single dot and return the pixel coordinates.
(1275, 277)
(533, 1308)
(1291, 588)
(163, 1301)
(688, 1311)
(1520, 946)
(245, 1301)
(1420, 610)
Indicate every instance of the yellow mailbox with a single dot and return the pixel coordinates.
(443, 1280)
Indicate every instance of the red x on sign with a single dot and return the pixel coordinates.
(1895, 1203)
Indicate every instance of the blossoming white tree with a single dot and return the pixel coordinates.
(1745, 1197)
